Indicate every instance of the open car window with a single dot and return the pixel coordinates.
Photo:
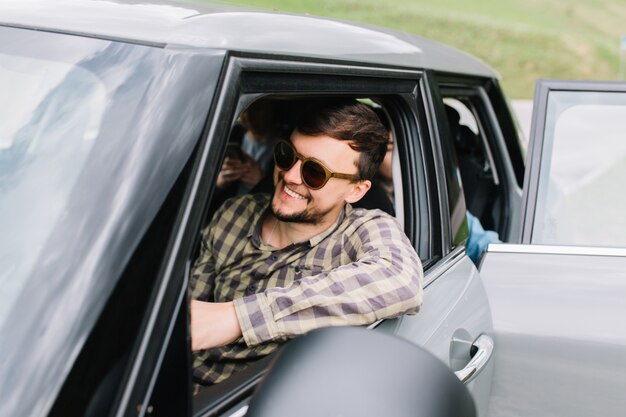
(391, 101)
(269, 120)
(470, 140)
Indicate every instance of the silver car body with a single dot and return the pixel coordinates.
(538, 363)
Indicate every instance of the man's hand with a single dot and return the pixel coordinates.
(231, 171)
(252, 172)
(213, 324)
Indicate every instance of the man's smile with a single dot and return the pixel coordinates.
(292, 193)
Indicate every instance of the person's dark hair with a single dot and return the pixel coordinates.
(260, 120)
(350, 120)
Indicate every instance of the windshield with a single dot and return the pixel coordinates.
(50, 114)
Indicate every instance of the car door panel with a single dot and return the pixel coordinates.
(559, 330)
(454, 314)
(558, 300)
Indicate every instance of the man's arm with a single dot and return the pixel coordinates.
(385, 281)
(205, 326)
(213, 324)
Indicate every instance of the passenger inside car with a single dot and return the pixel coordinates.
(273, 266)
(477, 182)
(380, 194)
(249, 157)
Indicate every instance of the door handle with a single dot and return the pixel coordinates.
(484, 350)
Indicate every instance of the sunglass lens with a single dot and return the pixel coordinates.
(284, 156)
(313, 174)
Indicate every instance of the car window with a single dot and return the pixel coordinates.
(394, 111)
(481, 153)
(98, 374)
(580, 198)
(476, 165)
(45, 106)
(86, 163)
(253, 137)
(456, 201)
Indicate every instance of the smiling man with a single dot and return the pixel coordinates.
(273, 267)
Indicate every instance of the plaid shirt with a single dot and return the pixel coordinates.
(361, 269)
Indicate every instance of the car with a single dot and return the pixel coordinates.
(115, 120)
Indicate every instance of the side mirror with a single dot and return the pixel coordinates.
(354, 372)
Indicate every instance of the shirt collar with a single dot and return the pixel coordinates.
(318, 238)
(255, 233)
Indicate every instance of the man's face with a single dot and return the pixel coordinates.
(294, 202)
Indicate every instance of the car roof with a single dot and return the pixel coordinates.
(174, 23)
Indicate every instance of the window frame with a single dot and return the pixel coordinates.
(503, 151)
(248, 77)
(257, 76)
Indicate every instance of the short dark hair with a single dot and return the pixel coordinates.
(350, 120)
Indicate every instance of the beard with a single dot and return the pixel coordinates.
(306, 216)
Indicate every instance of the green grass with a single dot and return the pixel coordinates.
(522, 39)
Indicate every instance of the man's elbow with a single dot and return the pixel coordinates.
(416, 291)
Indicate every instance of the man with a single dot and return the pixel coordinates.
(273, 267)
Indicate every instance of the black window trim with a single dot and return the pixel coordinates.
(169, 299)
(502, 114)
(476, 90)
(250, 77)
(435, 116)
(288, 76)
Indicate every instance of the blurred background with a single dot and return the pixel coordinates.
(522, 39)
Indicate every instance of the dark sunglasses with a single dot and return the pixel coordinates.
(313, 173)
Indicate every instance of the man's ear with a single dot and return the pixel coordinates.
(358, 191)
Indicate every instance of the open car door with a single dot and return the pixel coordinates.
(558, 299)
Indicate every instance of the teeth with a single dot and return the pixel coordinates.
(292, 193)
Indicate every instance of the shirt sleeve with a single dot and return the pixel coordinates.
(479, 238)
(385, 281)
(203, 272)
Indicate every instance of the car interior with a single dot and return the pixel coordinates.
(483, 192)
(278, 114)
(237, 388)
(278, 125)
(469, 146)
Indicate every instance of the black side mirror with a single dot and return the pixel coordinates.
(354, 372)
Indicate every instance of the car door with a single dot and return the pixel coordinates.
(454, 322)
(414, 183)
(558, 298)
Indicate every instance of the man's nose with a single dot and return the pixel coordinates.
(293, 174)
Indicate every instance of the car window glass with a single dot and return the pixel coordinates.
(583, 170)
(50, 115)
